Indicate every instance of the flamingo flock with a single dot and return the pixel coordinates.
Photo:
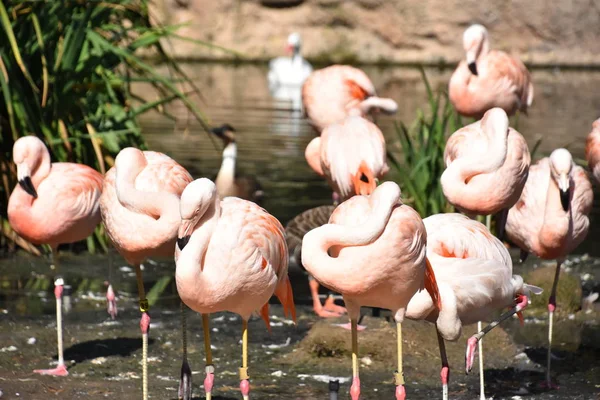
(369, 246)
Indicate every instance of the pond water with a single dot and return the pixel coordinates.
(272, 136)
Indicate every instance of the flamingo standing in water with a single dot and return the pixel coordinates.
(592, 150)
(54, 203)
(294, 233)
(351, 155)
(231, 255)
(331, 94)
(372, 251)
(488, 78)
(551, 218)
(140, 210)
(487, 166)
(473, 271)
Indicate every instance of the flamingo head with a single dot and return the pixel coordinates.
(293, 43)
(596, 125)
(561, 165)
(196, 200)
(128, 164)
(495, 123)
(473, 42)
(28, 153)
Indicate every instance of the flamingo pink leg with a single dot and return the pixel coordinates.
(111, 302)
(331, 306)
(445, 372)
(551, 308)
(399, 375)
(355, 388)
(61, 369)
(317, 306)
(244, 382)
(473, 340)
(209, 380)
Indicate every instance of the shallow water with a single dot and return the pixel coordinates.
(272, 137)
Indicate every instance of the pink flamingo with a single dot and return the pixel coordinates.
(140, 210)
(53, 203)
(373, 253)
(488, 78)
(592, 150)
(551, 218)
(487, 166)
(350, 154)
(231, 255)
(331, 94)
(473, 271)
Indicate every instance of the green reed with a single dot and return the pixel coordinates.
(66, 75)
(418, 158)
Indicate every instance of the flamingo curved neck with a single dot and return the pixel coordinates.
(388, 106)
(316, 243)
(191, 260)
(556, 221)
(161, 206)
(44, 166)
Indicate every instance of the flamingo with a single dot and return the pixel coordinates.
(140, 210)
(287, 74)
(487, 167)
(294, 233)
(473, 270)
(228, 181)
(551, 218)
(231, 255)
(331, 94)
(488, 78)
(351, 155)
(592, 150)
(372, 251)
(53, 203)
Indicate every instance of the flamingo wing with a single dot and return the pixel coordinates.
(162, 174)
(76, 190)
(510, 76)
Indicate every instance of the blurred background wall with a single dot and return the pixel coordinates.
(541, 32)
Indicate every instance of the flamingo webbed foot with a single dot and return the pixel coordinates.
(111, 302)
(470, 354)
(60, 370)
(400, 392)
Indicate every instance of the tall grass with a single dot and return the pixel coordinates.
(419, 161)
(66, 74)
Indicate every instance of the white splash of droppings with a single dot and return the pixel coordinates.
(278, 346)
(31, 340)
(125, 268)
(278, 374)
(366, 360)
(9, 348)
(324, 378)
(215, 330)
(99, 360)
(276, 324)
(165, 378)
(219, 319)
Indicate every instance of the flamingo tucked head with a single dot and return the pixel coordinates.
(196, 199)
(561, 164)
(293, 43)
(28, 154)
(475, 43)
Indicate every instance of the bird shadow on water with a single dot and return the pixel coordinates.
(91, 349)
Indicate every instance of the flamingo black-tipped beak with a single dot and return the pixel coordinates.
(27, 186)
(473, 67)
(564, 199)
(183, 241)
